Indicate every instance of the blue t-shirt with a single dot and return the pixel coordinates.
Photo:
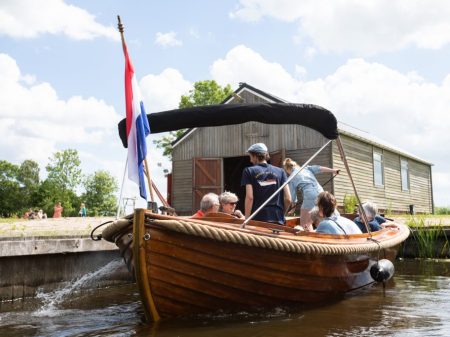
(265, 180)
(375, 224)
(307, 182)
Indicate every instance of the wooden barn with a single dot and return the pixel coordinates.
(211, 159)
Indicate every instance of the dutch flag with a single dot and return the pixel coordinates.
(137, 126)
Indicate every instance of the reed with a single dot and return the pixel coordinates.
(431, 240)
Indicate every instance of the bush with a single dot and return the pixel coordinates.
(350, 203)
(442, 210)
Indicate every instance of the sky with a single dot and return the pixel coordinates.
(379, 65)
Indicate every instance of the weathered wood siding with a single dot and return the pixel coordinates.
(390, 196)
(250, 98)
(234, 140)
(182, 186)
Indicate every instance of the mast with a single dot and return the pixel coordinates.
(146, 166)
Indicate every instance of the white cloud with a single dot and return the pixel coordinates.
(168, 39)
(242, 64)
(35, 123)
(29, 19)
(163, 91)
(403, 109)
(363, 27)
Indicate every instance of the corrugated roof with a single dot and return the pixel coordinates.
(367, 137)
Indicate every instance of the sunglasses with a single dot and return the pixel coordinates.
(233, 203)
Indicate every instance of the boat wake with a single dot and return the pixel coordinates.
(51, 301)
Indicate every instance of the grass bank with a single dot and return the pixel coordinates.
(429, 237)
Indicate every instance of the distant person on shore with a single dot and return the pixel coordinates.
(83, 210)
(208, 204)
(228, 202)
(374, 219)
(42, 214)
(57, 210)
(27, 214)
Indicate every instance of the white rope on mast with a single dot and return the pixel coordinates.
(121, 188)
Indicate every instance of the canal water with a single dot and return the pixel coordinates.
(415, 303)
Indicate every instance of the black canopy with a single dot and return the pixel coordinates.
(309, 115)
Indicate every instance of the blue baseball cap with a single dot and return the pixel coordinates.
(258, 148)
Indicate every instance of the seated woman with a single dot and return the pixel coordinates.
(228, 203)
(375, 220)
(333, 223)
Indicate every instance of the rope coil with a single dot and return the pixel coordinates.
(285, 244)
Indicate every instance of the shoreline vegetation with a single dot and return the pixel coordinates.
(60, 227)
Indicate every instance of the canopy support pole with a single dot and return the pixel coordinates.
(362, 214)
(282, 186)
(149, 180)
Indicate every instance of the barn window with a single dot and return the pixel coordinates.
(378, 176)
(404, 173)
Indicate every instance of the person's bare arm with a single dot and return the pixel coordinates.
(324, 169)
(248, 200)
(287, 198)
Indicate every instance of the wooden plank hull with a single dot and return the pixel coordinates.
(188, 274)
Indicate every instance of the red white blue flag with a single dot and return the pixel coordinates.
(137, 126)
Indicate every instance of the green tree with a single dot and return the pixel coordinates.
(204, 93)
(64, 169)
(10, 191)
(64, 176)
(100, 196)
(28, 176)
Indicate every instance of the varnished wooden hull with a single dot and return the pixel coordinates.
(183, 274)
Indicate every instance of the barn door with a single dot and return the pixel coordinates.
(207, 177)
(277, 157)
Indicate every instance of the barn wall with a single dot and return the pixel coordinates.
(300, 143)
(390, 196)
(182, 186)
(234, 140)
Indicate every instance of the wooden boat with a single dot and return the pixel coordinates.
(185, 266)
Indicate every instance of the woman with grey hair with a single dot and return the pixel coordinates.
(374, 220)
(228, 202)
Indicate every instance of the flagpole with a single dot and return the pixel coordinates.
(146, 166)
(147, 174)
(121, 188)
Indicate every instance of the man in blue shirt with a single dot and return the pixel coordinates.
(261, 180)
